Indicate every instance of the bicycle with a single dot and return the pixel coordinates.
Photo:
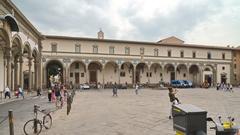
(34, 126)
(226, 127)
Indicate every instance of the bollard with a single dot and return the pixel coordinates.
(11, 125)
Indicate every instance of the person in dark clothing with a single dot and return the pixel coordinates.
(39, 91)
(173, 99)
(115, 89)
(49, 95)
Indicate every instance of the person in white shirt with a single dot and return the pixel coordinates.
(136, 89)
(20, 90)
(7, 92)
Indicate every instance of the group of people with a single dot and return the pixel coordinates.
(115, 89)
(57, 92)
(225, 87)
(18, 92)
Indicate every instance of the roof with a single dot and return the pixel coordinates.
(171, 39)
(139, 42)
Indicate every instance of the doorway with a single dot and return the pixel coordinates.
(172, 76)
(93, 76)
(76, 78)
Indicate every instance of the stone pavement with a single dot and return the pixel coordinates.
(96, 112)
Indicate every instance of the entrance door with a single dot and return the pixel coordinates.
(223, 79)
(93, 76)
(172, 76)
(137, 77)
(76, 78)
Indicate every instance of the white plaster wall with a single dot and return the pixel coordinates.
(80, 70)
(155, 75)
(110, 75)
(128, 76)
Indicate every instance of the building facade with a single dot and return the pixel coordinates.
(29, 59)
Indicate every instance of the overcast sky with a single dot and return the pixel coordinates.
(211, 22)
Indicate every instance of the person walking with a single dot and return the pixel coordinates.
(7, 92)
(20, 91)
(49, 95)
(136, 89)
(115, 89)
(39, 91)
(173, 99)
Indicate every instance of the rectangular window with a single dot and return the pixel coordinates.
(150, 74)
(122, 74)
(209, 55)
(182, 54)
(54, 47)
(235, 77)
(155, 52)
(141, 51)
(77, 48)
(194, 54)
(234, 54)
(111, 50)
(223, 56)
(71, 74)
(76, 65)
(82, 74)
(127, 50)
(235, 66)
(147, 74)
(95, 49)
(169, 53)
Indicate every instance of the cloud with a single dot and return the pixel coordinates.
(139, 20)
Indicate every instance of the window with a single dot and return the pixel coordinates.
(169, 53)
(235, 66)
(82, 74)
(234, 54)
(182, 54)
(71, 74)
(122, 74)
(147, 74)
(111, 50)
(223, 68)
(141, 51)
(223, 56)
(95, 49)
(160, 74)
(77, 66)
(184, 75)
(77, 48)
(155, 52)
(54, 47)
(150, 74)
(194, 54)
(127, 50)
(235, 77)
(209, 55)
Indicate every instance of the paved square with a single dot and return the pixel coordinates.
(96, 112)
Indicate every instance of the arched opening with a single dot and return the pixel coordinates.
(208, 75)
(35, 56)
(54, 71)
(169, 73)
(126, 73)
(95, 73)
(194, 74)
(77, 73)
(142, 73)
(27, 66)
(16, 53)
(182, 72)
(111, 73)
(156, 73)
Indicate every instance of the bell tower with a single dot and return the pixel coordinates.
(100, 34)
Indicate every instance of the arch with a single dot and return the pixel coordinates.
(77, 73)
(95, 72)
(181, 72)
(194, 74)
(11, 21)
(208, 74)
(141, 73)
(169, 73)
(126, 73)
(111, 72)
(54, 68)
(17, 40)
(35, 54)
(155, 73)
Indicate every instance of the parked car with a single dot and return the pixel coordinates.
(175, 84)
(182, 84)
(84, 86)
(189, 83)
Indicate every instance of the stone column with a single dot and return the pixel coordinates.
(29, 74)
(134, 75)
(119, 71)
(36, 64)
(15, 74)
(148, 70)
(87, 73)
(21, 71)
(8, 58)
